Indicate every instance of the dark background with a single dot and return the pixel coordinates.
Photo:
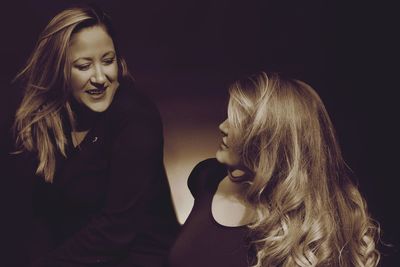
(184, 54)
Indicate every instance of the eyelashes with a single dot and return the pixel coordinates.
(82, 67)
(109, 61)
(87, 66)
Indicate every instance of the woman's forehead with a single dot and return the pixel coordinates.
(89, 42)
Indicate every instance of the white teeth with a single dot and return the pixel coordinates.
(95, 91)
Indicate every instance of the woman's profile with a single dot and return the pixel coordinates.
(279, 192)
(100, 194)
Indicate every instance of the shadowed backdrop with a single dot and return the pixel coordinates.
(184, 55)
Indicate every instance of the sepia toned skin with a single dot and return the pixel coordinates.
(228, 207)
(94, 68)
(226, 154)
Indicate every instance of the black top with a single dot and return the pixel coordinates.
(203, 241)
(110, 203)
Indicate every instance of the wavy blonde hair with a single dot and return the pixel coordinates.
(45, 78)
(309, 212)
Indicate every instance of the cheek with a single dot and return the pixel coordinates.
(78, 80)
(234, 153)
(235, 157)
(112, 72)
(77, 84)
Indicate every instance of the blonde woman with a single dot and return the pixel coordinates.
(278, 193)
(100, 194)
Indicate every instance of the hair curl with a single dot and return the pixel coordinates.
(309, 212)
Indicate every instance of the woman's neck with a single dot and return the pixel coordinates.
(233, 188)
(84, 118)
(229, 207)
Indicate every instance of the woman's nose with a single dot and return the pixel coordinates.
(98, 77)
(224, 127)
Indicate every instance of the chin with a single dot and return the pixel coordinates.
(222, 157)
(219, 157)
(227, 157)
(99, 107)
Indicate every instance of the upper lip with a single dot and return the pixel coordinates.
(98, 88)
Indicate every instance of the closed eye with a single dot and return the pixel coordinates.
(108, 61)
(83, 67)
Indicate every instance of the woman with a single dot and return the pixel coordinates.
(100, 194)
(277, 193)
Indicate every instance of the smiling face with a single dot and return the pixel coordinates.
(227, 154)
(94, 68)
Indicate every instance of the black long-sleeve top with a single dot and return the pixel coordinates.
(110, 202)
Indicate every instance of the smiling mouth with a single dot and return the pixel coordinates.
(97, 91)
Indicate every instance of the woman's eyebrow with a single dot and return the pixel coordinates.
(85, 58)
(109, 53)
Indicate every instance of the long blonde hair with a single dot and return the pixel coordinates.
(309, 212)
(38, 123)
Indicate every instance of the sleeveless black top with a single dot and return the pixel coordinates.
(202, 240)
